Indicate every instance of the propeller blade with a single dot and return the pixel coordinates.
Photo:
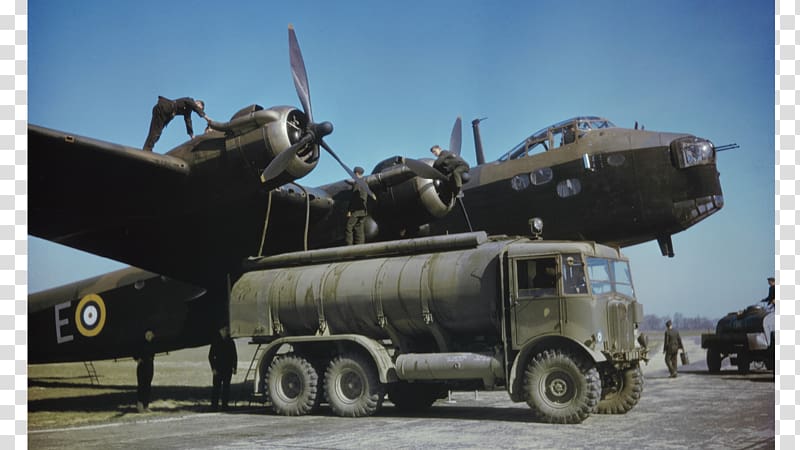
(299, 73)
(423, 170)
(455, 138)
(278, 165)
(359, 181)
(315, 132)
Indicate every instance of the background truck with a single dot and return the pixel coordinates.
(745, 336)
(554, 323)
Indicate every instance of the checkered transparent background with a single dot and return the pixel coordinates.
(787, 96)
(13, 221)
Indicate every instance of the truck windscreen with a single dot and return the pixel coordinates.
(609, 275)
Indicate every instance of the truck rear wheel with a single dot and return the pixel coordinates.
(292, 386)
(623, 392)
(713, 360)
(414, 397)
(352, 386)
(561, 388)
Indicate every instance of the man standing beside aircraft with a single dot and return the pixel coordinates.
(144, 372)
(356, 212)
(223, 359)
(450, 164)
(165, 110)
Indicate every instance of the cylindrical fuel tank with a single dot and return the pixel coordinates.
(452, 366)
(748, 321)
(456, 290)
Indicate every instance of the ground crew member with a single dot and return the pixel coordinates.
(672, 344)
(223, 360)
(770, 298)
(144, 372)
(450, 164)
(356, 212)
(165, 110)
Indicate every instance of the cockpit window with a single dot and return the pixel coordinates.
(530, 146)
(595, 124)
(555, 136)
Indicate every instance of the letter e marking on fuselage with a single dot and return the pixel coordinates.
(61, 322)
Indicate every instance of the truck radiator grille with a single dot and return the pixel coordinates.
(620, 326)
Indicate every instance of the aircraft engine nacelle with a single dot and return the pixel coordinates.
(262, 134)
(406, 205)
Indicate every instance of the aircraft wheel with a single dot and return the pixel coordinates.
(414, 397)
(561, 388)
(713, 360)
(292, 386)
(352, 386)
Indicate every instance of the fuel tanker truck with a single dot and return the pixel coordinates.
(553, 323)
(745, 337)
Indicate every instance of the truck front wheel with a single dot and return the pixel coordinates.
(352, 386)
(292, 386)
(561, 388)
(713, 360)
(623, 391)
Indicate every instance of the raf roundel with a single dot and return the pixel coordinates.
(90, 315)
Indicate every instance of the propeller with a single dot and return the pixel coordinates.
(455, 138)
(314, 132)
(424, 170)
(299, 74)
(455, 148)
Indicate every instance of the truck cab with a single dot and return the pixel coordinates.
(566, 290)
(580, 293)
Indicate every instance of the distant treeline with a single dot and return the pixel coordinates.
(652, 322)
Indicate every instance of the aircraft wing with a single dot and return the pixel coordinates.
(94, 195)
(79, 186)
(149, 211)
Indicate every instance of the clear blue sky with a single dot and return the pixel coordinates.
(392, 77)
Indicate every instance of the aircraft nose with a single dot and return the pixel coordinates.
(691, 211)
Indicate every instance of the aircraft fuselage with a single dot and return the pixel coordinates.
(622, 188)
(107, 316)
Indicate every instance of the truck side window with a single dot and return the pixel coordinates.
(536, 277)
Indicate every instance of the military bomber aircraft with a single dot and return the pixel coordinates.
(187, 219)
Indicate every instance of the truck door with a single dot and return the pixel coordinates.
(535, 300)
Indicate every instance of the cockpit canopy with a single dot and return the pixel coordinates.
(554, 136)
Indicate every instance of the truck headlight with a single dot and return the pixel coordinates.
(692, 151)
